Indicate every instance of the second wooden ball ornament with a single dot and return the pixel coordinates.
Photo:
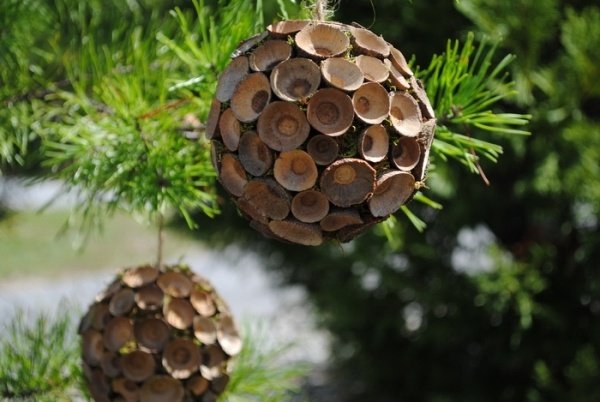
(319, 130)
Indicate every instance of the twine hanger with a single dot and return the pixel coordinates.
(324, 9)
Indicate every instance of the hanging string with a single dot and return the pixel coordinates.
(161, 240)
(320, 7)
(324, 9)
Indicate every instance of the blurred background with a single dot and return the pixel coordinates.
(497, 300)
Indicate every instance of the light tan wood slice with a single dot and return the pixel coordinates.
(213, 362)
(399, 61)
(396, 77)
(266, 56)
(295, 79)
(228, 335)
(371, 103)
(282, 29)
(205, 330)
(322, 40)
(373, 143)
(139, 276)
(251, 97)
(369, 43)
(373, 69)
(342, 74)
(230, 129)
(405, 114)
(310, 206)
(179, 313)
(392, 191)
(203, 302)
(175, 284)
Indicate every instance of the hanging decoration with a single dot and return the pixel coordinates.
(158, 335)
(319, 130)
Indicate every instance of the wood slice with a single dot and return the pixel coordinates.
(393, 189)
(152, 334)
(340, 218)
(406, 153)
(137, 365)
(342, 74)
(175, 284)
(426, 139)
(220, 383)
(426, 109)
(98, 386)
(92, 347)
(263, 228)
(110, 364)
(149, 298)
(139, 276)
(322, 40)
(162, 388)
(202, 302)
(248, 44)
(251, 97)
(210, 396)
(399, 61)
(307, 234)
(405, 114)
(228, 335)
(267, 198)
(373, 143)
(283, 126)
(212, 120)
(371, 103)
(330, 112)
(109, 291)
(295, 79)
(396, 77)
(100, 315)
(127, 389)
(181, 358)
(179, 313)
(295, 170)
(323, 149)
(349, 233)
(282, 29)
(255, 156)
(348, 182)
(205, 330)
(213, 360)
(230, 78)
(117, 333)
(372, 68)
(232, 175)
(122, 302)
(248, 210)
(269, 54)
(230, 129)
(366, 42)
(310, 206)
(197, 385)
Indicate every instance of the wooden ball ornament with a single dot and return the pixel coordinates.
(158, 335)
(319, 130)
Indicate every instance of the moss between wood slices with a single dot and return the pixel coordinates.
(321, 71)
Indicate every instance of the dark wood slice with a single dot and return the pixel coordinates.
(151, 333)
(137, 365)
(406, 153)
(283, 126)
(128, 390)
(323, 149)
(247, 44)
(233, 74)
(181, 358)
(267, 199)
(310, 206)
(117, 333)
(212, 120)
(348, 182)
(295, 170)
(122, 302)
(337, 219)
(162, 388)
(307, 234)
(92, 347)
(349, 233)
(232, 175)
(255, 156)
(393, 190)
(330, 112)
(366, 42)
(230, 129)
